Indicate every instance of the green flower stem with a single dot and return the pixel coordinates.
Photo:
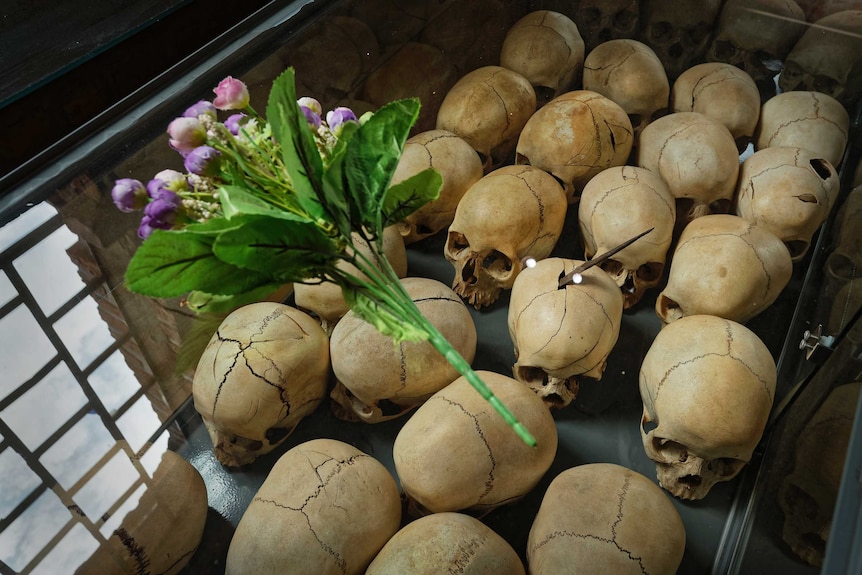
(386, 288)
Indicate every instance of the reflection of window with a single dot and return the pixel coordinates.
(75, 422)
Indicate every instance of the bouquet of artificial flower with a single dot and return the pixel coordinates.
(267, 201)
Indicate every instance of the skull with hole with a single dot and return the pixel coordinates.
(458, 164)
(456, 453)
(722, 92)
(804, 119)
(807, 496)
(265, 368)
(617, 204)
(629, 73)
(325, 508)
(574, 137)
(696, 157)
(707, 386)
(828, 58)
(608, 517)
(679, 32)
(728, 255)
(325, 301)
(788, 191)
(378, 381)
(512, 213)
(561, 334)
(599, 20)
(546, 49)
(488, 107)
(756, 36)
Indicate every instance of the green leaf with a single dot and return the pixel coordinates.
(202, 302)
(372, 155)
(407, 196)
(195, 341)
(171, 263)
(378, 315)
(283, 249)
(237, 201)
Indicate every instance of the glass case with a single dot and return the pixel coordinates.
(88, 414)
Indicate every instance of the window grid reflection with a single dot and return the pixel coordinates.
(23, 298)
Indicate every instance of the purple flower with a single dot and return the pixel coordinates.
(148, 225)
(231, 94)
(203, 161)
(337, 117)
(186, 134)
(310, 117)
(312, 110)
(202, 107)
(162, 211)
(172, 180)
(234, 122)
(129, 195)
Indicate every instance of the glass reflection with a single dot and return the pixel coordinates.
(78, 450)
(106, 487)
(139, 423)
(24, 224)
(69, 553)
(17, 481)
(114, 382)
(7, 291)
(84, 332)
(46, 517)
(25, 348)
(49, 272)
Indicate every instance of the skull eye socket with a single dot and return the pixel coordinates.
(661, 32)
(650, 272)
(544, 94)
(635, 119)
(797, 248)
(625, 19)
(612, 267)
(841, 266)
(725, 466)
(457, 242)
(591, 17)
(826, 85)
(724, 50)
(275, 434)
(245, 443)
(822, 168)
(670, 451)
(496, 263)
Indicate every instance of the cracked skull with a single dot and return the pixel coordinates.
(545, 48)
(456, 453)
(678, 31)
(707, 386)
(488, 107)
(728, 255)
(697, 158)
(376, 380)
(510, 214)
(629, 73)
(265, 368)
(325, 506)
(617, 204)
(574, 137)
(561, 334)
(608, 517)
(788, 191)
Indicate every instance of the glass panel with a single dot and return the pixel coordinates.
(25, 348)
(46, 516)
(78, 450)
(48, 272)
(84, 332)
(7, 291)
(153, 457)
(17, 481)
(69, 553)
(24, 224)
(106, 487)
(114, 382)
(129, 504)
(45, 407)
(139, 423)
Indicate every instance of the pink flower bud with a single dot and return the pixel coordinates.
(186, 134)
(231, 94)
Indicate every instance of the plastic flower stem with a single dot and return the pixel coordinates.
(386, 288)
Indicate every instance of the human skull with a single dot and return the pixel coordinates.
(510, 214)
(376, 380)
(722, 92)
(325, 301)
(265, 368)
(808, 495)
(707, 386)
(456, 453)
(788, 191)
(415, 70)
(804, 119)
(696, 157)
(488, 107)
(458, 164)
(599, 20)
(616, 205)
(325, 508)
(844, 264)
(828, 58)
(609, 518)
(679, 32)
(546, 49)
(629, 73)
(756, 36)
(561, 334)
(726, 266)
(574, 137)
(446, 543)
(166, 525)
(394, 22)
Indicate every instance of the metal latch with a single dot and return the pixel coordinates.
(816, 345)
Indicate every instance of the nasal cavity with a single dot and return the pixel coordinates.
(691, 480)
